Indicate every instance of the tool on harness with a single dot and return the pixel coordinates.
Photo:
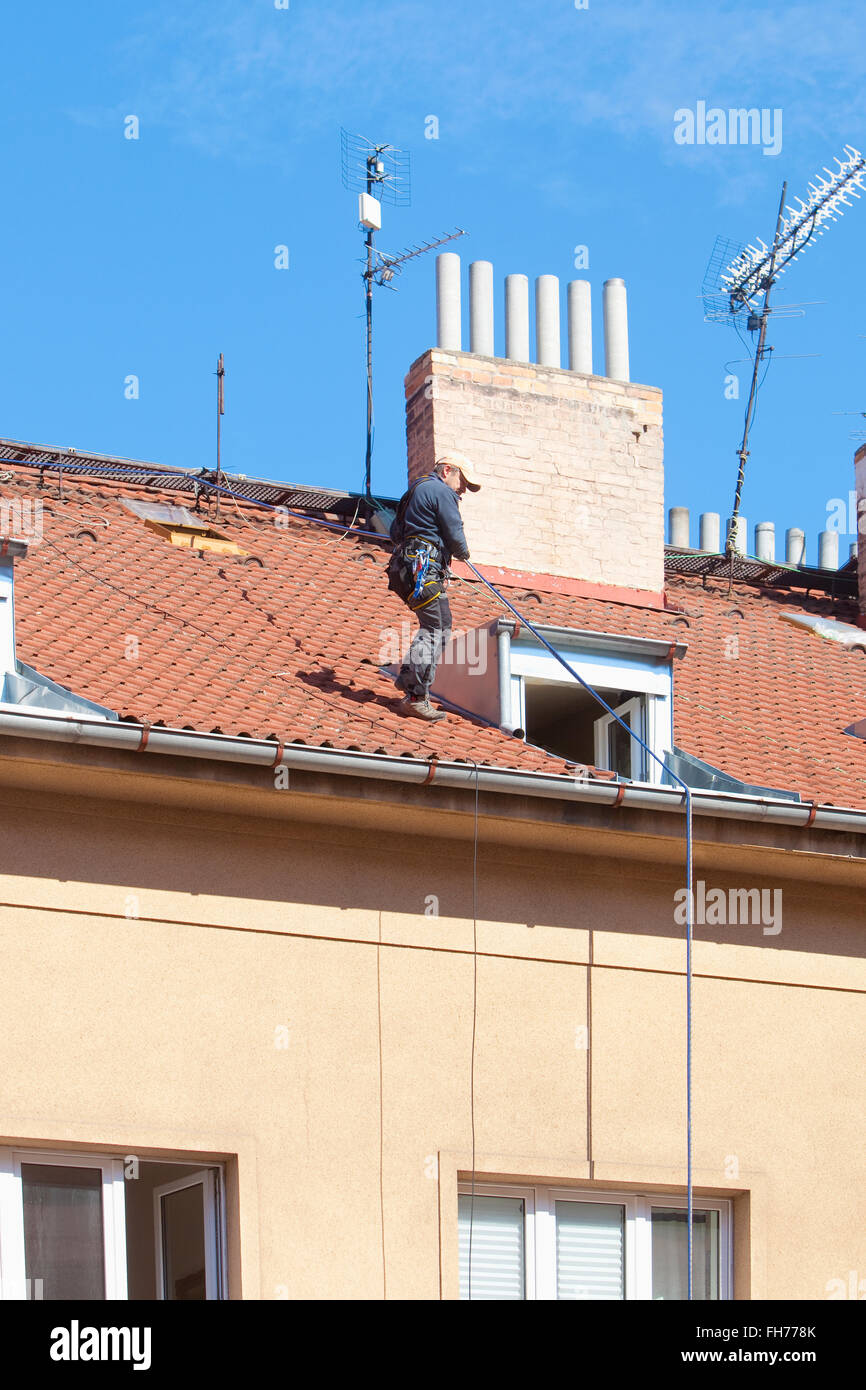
(415, 572)
(419, 555)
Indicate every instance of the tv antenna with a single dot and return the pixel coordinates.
(861, 414)
(738, 275)
(379, 174)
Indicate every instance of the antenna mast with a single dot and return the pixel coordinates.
(743, 451)
(220, 375)
(379, 173)
(750, 270)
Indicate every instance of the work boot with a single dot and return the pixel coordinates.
(422, 709)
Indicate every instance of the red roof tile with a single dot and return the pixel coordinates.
(290, 648)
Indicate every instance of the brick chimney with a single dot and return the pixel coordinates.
(570, 462)
(860, 475)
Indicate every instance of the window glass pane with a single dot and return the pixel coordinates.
(670, 1253)
(497, 1247)
(183, 1243)
(619, 745)
(63, 1235)
(590, 1250)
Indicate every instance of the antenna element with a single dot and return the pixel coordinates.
(737, 275)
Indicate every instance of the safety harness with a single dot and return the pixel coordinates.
(409, 569)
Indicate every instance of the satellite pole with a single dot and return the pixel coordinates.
(379, 173)
(220, 375)
(737, 275)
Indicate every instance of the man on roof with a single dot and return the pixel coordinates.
(427, 532)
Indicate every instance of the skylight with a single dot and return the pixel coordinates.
(181, 527)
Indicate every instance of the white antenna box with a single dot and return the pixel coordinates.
(369, 212)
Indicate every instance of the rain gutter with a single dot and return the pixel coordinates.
(143, 738)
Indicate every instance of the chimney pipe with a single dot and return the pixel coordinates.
(741, 538)
(678, 519)
(765, 541)
(828, 550)
(448, 331)
(615, 330)
(711, 532)
(517, 318)
(579, 298)
(795, 546)
(547, 321)
(481, 308)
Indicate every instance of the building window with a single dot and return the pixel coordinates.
(632, 675)
(555, 1243)
(615, 749)
(95, 1227)
(505, 675)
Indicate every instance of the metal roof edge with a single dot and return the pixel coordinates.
(594, 640)
(441, 772)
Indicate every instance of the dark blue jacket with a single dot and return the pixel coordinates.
(433, 512)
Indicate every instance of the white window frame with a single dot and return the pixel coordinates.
(640, 706)
(13, 1281)
(203, 1178)
(540, 1233)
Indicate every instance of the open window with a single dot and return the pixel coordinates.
(557, 713)
(567, 720)
(615, 748)
(185, 1244)
(95, 1227)
(505, 675)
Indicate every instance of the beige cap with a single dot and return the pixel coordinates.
(463, 463)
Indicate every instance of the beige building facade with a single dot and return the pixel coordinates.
(278, 986)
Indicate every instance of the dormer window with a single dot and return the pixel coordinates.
(504, 674)
(633, 675)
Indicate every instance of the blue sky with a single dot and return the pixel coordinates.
(148, 257)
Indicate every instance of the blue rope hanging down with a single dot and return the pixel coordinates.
(687, 801)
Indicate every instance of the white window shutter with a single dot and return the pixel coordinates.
(590, 1250)
(498, 1260)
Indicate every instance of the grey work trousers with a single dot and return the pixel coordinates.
(419, 666)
